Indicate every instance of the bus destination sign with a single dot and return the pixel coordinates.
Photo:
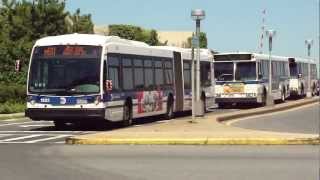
(68, 52)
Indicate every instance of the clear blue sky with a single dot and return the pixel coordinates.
(231, 25)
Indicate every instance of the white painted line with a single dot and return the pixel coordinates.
(47, 139)
(11, 124)
(65, 132)
(60, 142)
(20, 138)
(36, 125)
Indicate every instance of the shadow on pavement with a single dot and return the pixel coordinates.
(108, 126)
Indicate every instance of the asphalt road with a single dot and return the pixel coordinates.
(305, 119)
(25, 131)
(52, 162)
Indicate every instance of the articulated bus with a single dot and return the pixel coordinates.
(243, 78)
(78, 77)
(303, 75)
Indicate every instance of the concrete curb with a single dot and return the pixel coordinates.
(265, 110)
(11, 116)
(195, 141)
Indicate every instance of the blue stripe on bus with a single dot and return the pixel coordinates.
(56, 100)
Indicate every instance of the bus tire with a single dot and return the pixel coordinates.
(301, 92)
(313, 90)
(203, 99)
(283, 96)
(264, 98)
(127, 114)
(222, 105)
(169, 112)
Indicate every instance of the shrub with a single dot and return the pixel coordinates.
(12, 93)
(11, 107)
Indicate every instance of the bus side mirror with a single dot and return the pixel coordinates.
(299, 75)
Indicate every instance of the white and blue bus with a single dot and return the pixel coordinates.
(79, 77)
(303, 77)
(243, 77)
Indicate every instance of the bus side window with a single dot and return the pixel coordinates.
(148, 74)
(138, 73)
(127, 76)
(113, 72)
(187, 74)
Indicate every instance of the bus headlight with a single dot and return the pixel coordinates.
(33, 102)
(97, 100)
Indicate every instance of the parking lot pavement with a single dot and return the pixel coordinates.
(25, 131)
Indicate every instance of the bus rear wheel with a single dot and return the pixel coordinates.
(127, 115)
(169, 113)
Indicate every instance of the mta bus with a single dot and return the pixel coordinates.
(82, 78)
(303, 77)
(243, 77)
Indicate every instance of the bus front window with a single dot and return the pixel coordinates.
(65, 73)
(223, 71)
(245, 71)
(293, 70)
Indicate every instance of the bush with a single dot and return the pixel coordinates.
(12, 107)
(12, 93)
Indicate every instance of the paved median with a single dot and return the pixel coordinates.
(204, 131)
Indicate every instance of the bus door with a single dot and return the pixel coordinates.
(178, 81)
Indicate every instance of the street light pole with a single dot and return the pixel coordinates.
(270, 34)
(192, 78)
(309, 43)
(198, 15)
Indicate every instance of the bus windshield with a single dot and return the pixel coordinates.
(246, 71)
(65, 70)
(223, 71)
(293, 70)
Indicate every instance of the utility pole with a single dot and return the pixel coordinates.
(309, 43)
(270, 34)
(198, 15)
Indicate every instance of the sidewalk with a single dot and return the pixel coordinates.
(205, 131)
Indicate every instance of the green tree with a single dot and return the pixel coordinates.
(135, 33)
(23, 22)
(203, 41)
(81, 23)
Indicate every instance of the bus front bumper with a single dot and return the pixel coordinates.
(65, 114)
(236, 100)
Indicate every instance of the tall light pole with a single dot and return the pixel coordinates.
(198, 15)
(270, 34)
(309, 43)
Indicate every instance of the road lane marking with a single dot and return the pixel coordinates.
(23, 137)
(60, 142)
(36, 125)
(230, 122)
(65, 132)
(48, 139)
(11, 124)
